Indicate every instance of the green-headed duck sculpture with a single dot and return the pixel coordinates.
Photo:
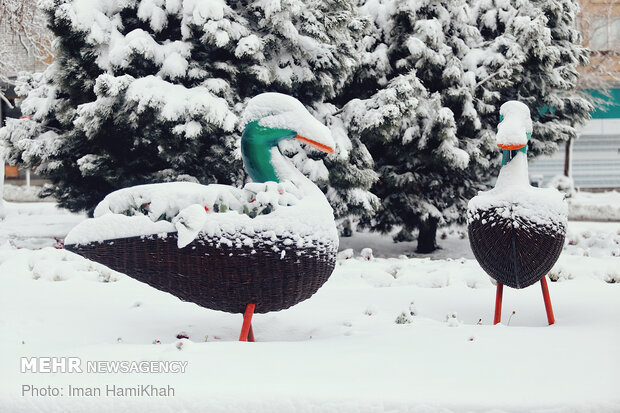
(516, 231)
(260, 248)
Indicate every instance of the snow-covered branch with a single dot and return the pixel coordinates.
(24, 22)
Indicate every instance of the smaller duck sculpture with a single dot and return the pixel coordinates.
(516, 231)
(261, 248)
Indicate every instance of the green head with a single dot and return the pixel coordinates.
(256, 145)
(271, 118)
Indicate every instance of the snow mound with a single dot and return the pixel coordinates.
(514, 197)
(164, 201)
(113, 226)
(603, 206)
(260, 210)
(52, 265)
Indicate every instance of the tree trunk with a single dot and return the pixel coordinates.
(347, 228)
(2, 213)
(427, 238)
(567, 157)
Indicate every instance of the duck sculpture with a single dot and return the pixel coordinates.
(260, 248)
(517, 231)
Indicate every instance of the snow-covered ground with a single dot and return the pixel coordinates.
(22, 193)
(601, 206)
(341, 351)
(35, 224)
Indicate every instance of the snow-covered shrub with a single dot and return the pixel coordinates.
(564, 184)
(366, 254)
(403, 318)
(346, 254)
(560, 274)
(452, 319)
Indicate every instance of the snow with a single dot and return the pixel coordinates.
(452, 240)
(151, 11)
(432, 32)
(18, 132)
(35, 224)
(165, 200)
(100, 19)
(173, 102)
(385, 334)
(172, 57)
(42, 99)
(449, 149)
(212, 211)
(113, 226)
(604, 206)
(248, 46)
(22, 193)
(594, 239)
(515, 125)
(514, 196)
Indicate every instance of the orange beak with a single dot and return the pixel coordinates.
(314, 144)
(510, 147)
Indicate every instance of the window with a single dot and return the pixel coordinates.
(604, 33)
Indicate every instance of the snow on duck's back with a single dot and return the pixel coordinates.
(216, 210)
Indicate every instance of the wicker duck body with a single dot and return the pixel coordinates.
(214, 249)
(516, 231)
(275, 275)
(513, 250)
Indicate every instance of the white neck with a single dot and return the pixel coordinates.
(286, 171)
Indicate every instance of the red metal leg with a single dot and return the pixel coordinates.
(247, 323)
(498, 303)
(548, 307)
(251, 334)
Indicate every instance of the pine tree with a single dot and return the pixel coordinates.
(351, 171)
(537, 50)
(553, 90)
(435, 74)
(421, 126)
(151, 91)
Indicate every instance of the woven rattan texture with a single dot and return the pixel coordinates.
(514, 252)
(219, 277)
